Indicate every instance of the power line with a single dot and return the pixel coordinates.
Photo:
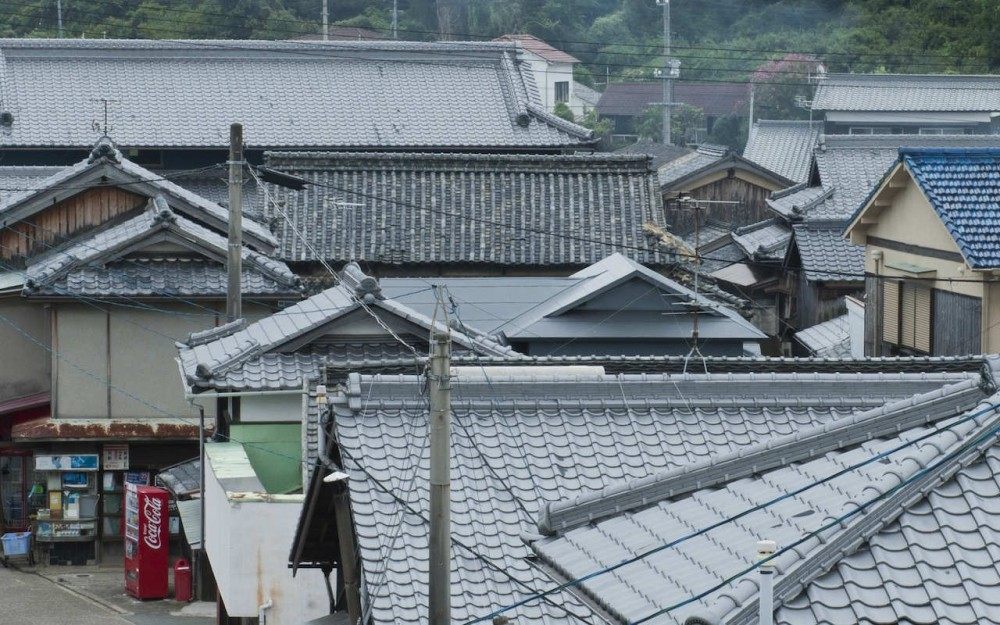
(311, 26)
(756, 508)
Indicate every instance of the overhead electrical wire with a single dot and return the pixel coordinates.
(763, 506)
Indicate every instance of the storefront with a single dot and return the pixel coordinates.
(17, 480)
(79, 471)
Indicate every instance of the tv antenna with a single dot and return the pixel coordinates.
(104, 128)
(694, 304)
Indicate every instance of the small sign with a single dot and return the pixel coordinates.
(80, 462)
(137, 477)
(115, 457)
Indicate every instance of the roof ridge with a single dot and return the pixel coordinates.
(739, 606)
(207, 336)
(772, 453)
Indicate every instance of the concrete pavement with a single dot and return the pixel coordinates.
(27, 599)
(86, 596)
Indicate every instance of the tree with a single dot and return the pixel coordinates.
(684, 124)
(779, 84)
(562, 110)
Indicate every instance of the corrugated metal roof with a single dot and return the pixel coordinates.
(288, 94)
(190, 511)
(830, 339)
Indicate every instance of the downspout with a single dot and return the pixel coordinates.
(342, 516)
(261, 617)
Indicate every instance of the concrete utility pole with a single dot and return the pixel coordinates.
(668, 83)
(395, 19)
(59, 17)
(439, 383)
(234, 305)
(326, 21)
(766, 549)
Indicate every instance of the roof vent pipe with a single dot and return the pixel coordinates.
(765, 555)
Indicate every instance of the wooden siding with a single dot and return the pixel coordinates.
(873, 316)
(817, 302)
(751, 207)
(957, 324)
(61, 221)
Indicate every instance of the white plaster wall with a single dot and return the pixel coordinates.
(546, 76)
(856, 326)
(248, 545)
(271, 408)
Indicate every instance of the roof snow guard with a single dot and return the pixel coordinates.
(289, 94)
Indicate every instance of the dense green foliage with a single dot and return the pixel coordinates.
(722, 39)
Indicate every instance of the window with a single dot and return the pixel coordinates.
(869, 130)
(562, 91)
(931, 131)
(906, 315)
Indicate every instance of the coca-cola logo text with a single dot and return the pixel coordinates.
(152, 511)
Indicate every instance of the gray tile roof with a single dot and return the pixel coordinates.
(766, 240)
(793, 202)
(606, 527)
(107, 166)
(683, 166)
(522, 442)
(74, 267)
(164, 276)
(182, 479)
(660, 153)
(288, 94)
(826, 255)
(538, 308)
(784, 146)
(852, 165)
(900, 92)
(413, 209)
(248, 355)
(585, 94)
(830, 339)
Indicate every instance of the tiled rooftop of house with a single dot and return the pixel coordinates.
(288, 94)
(784, 146)
(467, 209)
(525, 441)
(907, 92)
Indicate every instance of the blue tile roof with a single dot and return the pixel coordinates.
(963, 186)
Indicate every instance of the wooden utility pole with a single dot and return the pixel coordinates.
(439, 574)
(234, 265)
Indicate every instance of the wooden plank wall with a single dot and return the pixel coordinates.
(60, 221)
(751, 207)
(956, 324)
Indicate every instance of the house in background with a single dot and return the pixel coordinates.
(615, 307)
(929, 232)
(444, 96)
(888, 104)
(552, 70)
(625, 102)
(415, 214)
(734, 189)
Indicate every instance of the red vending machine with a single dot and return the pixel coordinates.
(146, 541)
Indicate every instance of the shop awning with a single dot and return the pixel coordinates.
(119, 430)
(190, 510)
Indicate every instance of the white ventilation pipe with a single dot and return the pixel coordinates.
(766, 549)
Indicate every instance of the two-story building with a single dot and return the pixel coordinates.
(931, 254)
